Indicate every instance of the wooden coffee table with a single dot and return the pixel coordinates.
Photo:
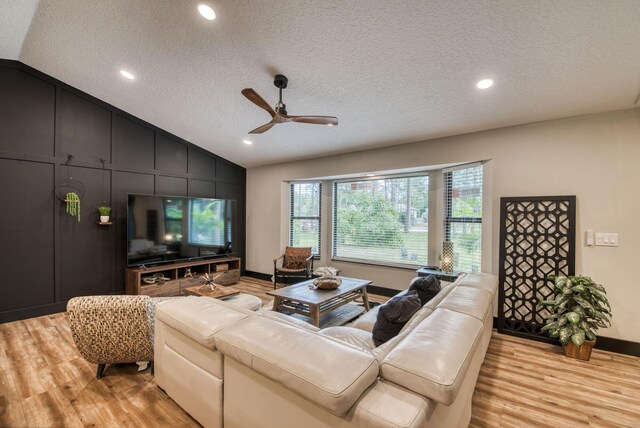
(323, 308)
(219, 292)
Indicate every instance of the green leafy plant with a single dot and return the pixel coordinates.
(104, 209)
(369, 220)
(73, 204)
(578, 309)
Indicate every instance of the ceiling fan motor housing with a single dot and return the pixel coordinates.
(280, 81)
(281, 108)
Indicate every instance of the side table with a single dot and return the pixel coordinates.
(442, 276)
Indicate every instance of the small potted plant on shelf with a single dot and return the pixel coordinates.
(104, 211)
(578, 309)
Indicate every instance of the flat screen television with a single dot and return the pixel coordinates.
(166, 229)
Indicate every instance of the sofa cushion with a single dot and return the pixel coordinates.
(381, 351)
(467, 300)
(482, 281)
(247, 301)
(271, 314)
(391, 406)
(199, 317)
(320, 369)
(427, 287)
(366, 321)
(433, 359)
(441, 295)
(353, 336)
(393, 315)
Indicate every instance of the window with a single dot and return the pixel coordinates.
(463, 216)
(382, 220)
(305, 216)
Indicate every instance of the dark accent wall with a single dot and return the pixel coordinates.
(47, 257)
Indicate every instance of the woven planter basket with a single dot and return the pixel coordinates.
(327, 282)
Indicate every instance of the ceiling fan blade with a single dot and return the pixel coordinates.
(258, 100)
(263, 128)
(318, 120)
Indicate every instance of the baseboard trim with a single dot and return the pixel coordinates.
(610, 344)
(382, 291)
(32, 312)
(618, 345)
(258, 275)
(38, 311)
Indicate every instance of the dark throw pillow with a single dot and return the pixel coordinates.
(393, 315)
(426, 286)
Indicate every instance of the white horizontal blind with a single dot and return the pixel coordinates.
(207, 222)
(382, 220)
(463, 216)
(305, 219)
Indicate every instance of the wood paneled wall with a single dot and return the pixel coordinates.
(47, 257)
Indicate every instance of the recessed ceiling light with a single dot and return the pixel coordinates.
(247, 142)
(484, 84)
(329, 124)
(207, 12)
(370, 175)
(127, 74)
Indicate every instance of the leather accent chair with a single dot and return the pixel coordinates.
(297, 262)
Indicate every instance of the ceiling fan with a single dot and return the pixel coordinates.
(279, 114)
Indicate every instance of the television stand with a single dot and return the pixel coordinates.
(173, 281)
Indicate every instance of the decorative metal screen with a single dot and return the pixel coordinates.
(537, 239)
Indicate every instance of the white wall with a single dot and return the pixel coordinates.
(595, 157)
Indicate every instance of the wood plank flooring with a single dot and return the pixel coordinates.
(527, 383)
(44, 382)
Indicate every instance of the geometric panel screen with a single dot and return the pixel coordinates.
(537, 239)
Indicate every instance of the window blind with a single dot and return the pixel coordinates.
(305, 221)
(463, 216)
(207, 222)
(382, 220)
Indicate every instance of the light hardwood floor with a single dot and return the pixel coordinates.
(45, 382)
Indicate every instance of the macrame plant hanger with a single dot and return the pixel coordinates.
(70, 192)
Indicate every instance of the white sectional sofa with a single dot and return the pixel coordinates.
(232, 367)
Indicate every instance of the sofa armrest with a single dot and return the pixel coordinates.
(324, 371)
(199, 317)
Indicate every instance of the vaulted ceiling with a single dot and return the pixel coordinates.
(392, 71)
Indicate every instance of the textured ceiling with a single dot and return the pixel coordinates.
(15, 17)
(392, 71)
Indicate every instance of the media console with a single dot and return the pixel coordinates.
(228, 269)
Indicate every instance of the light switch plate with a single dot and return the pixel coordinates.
(590, 238)
(606, 239)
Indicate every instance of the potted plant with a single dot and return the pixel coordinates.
(104, 211)
(579, 308)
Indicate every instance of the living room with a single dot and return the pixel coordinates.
(146, 156)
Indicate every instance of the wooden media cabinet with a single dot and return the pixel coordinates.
(227, 267)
